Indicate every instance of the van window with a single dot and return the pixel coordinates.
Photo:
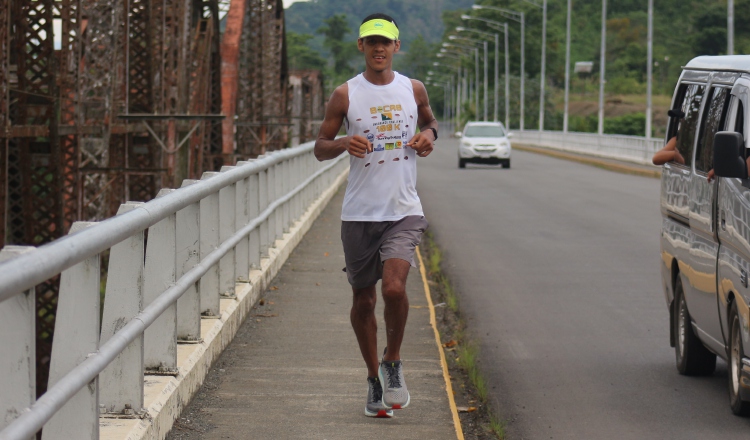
(713, 118)
(673, 123)
(735, 120)
(740, 122)
(686, 129)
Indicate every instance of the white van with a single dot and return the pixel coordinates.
(705, 235)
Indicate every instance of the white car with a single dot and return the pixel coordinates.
(484, 142)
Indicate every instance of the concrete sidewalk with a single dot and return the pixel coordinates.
(294, 369)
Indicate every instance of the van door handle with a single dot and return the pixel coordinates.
(723, 221)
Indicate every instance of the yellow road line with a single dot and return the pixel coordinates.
(446, 376)
(594, 161)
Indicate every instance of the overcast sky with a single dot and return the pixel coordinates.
(288, 3)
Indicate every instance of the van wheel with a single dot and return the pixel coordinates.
(506, 164)
(739, 407)
(461, 163)
(691, 357)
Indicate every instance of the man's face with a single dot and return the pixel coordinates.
(378, 51)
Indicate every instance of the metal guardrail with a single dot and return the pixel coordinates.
(635, 149)
(202, 239)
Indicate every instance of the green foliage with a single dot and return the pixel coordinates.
(414, 17)
(683, 29)
(583, 124)
(300, 55)
(417, 61)
(633, 124)
(335, 29)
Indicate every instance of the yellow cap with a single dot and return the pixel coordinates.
(380, 27)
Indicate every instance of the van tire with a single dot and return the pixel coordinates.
(739, 407)
(691, 357)
(461, 163)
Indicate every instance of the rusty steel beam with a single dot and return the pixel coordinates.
(96, 88)
(4, 111)
(262, 111)
(230, 59)
(212, 159)
(142, 151)
(34, 176)
(65, 153)
(69, 62)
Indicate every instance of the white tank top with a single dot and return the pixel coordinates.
(382, 186)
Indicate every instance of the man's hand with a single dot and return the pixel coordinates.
(358, 146)
(423, 143)
(711, 175)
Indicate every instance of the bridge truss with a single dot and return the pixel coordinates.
(105, 101)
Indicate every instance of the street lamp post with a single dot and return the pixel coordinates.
(476, 70)
(567, 69)
(544, 60)
(650, 68)
(520, 18)
(507, 75)
(484, 44)
(730, 27)
(602, 60)
(433, 82)
(455, 92)
(543, 6)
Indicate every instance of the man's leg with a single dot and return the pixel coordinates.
(395, 272)
(366, 327)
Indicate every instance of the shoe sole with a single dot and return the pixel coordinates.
(395, 406)
(382, 414)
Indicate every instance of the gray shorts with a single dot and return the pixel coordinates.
(368, 244)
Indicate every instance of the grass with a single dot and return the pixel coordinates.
(466, 354)
(497, 426)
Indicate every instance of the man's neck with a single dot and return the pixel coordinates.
(382, 78)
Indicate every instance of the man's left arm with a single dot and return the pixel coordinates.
(424, 141)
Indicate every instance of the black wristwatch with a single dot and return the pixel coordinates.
(434, 132)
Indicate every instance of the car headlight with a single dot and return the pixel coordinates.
(466, 143)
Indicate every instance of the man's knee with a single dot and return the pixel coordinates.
(364, 300)
(394, 288)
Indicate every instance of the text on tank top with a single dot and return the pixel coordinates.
(382, 186)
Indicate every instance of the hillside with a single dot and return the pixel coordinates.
(414, 17)
(683, 29)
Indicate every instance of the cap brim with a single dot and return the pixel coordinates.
(380, 33)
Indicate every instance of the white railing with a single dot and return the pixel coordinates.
(202, 239)
(635, 149)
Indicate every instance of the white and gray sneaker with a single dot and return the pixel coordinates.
(395, 394)
(374, 406)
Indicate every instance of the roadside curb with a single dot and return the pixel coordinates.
(597, 162)
(166, 396)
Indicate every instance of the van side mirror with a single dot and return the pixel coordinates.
(509, 135)
(728, 160)
(458, 134)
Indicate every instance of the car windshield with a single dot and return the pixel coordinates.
(484, 131)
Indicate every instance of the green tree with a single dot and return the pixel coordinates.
(335, 30)
(417, 61)
(299, 53)
(710, 35)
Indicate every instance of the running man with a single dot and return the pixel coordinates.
(382, 218)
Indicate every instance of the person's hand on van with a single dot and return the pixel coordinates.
(668, 153)
(711, 175)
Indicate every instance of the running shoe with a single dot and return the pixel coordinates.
(374, 406)
(395, 394)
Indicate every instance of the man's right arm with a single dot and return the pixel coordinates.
(327, 146)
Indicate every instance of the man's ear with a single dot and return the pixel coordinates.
(361, 44)
(398, 46)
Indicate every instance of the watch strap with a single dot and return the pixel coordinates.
(434, 132)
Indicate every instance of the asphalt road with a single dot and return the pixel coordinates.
(556, 265)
